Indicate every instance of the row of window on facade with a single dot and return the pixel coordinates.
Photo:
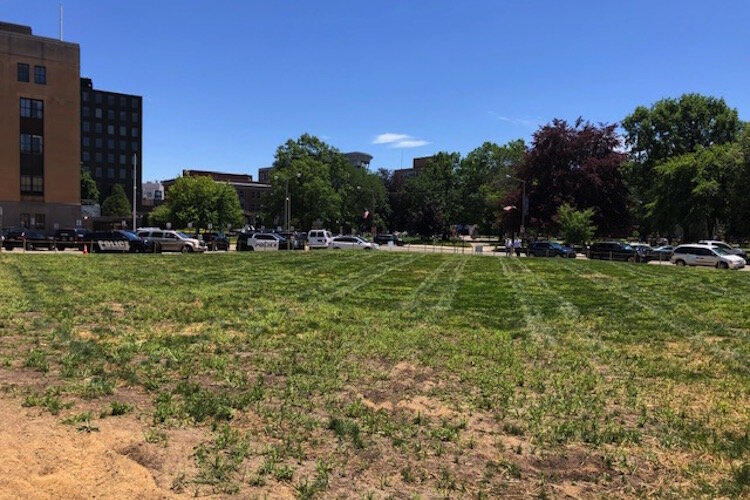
(38, 221)
(99, 144)
(124, 173)
(99, 115)
(99, 158)
(32, 144)
(40, 74)
(123, 101)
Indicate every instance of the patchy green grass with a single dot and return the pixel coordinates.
(381, 373)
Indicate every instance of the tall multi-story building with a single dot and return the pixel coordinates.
(153, 194)
(111, 130)
(418, 164)
(40, 109)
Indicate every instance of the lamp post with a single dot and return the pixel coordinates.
(135, 190)
(287, 201)
(523, 202)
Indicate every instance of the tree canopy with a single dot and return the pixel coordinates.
(116, 204)
(89, 189)
(202, 201)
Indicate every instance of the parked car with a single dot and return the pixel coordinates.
(726, 247)
(385, 238)
(291, 240)
(549, 249)
(644, 252)
(69, 238)
(215, 241)
(172, 241)
(706, 255)
(663, 252)
(319, 238)
(119, 241)
(352, 243)
(33, 240)
(259, 242)
(612, 250)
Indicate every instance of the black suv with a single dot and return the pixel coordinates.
(385, 238)
(549, 249)
(613, 250)
(215, 241)
(119, 242)
(32, 240)
(69, 238)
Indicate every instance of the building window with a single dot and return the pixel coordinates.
(39, 221)
(122, 160)
(86, 142)
(111, 100)
(25, 220)
(25, 183)
(98, 128)
(37, 184)
(123, 131)
(111, 115)
(98, 98)
(85, 97)
(123, 173)
(135, 117)
(86, 156)
(110, 173)
(32, 108)
(110, 158)
(40, 75)
(25, 108)
(98, 173)
(134, 132)
(123, 102)
(134, 146)
(98, 143)
(32, 144)
(99, 113)
(86, 126)
(98, 157)
(123, 144)
(86, 112)
(110, 129)
(135, 102)
(110, 144)
(23, 72)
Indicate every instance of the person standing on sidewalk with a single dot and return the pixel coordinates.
(508, 247)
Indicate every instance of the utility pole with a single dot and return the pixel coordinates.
(523, 203)
(135, 190)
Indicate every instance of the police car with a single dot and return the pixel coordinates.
(119, 242)
(259, 242)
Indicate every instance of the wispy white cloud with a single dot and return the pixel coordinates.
(389, 138)
(515, 121)
(399, 140)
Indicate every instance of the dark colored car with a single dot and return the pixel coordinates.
(119, 241)
(385, 238)
(216, 241)
(612, 250)
(549, 249)
(644, 253)
(32, 240)
(69, 238)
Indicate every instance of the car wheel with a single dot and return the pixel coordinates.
(631, 259)
(679, 263)
(722, 265)
(60, 248)
(184, 249)
(251, 249)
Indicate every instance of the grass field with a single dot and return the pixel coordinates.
(379, 374)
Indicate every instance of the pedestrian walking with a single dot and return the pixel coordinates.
(517, 246)
(508, 247)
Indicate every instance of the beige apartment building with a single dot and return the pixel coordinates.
(40, 149)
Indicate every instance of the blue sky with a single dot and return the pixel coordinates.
(226, 82)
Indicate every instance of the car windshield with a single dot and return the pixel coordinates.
(625, 246)
(129, 235)
(556, 246)
(182, 235)
(720, 250)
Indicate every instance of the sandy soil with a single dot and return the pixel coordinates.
(40, 458)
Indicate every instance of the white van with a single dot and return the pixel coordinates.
(319, 238)
(706, 255)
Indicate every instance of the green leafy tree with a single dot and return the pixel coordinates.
(693, 190)
(738, 211)
(576, 226)
(668, 129)
(482, 183)
(159, 216)
(433, 197)
(116, 204)
(203, 201)
(89, 190)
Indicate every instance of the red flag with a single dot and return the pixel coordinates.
(509, 208)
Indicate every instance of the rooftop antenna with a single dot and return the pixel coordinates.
(61, 17)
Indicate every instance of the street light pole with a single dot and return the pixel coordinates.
(135, 190)
(523, 202)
